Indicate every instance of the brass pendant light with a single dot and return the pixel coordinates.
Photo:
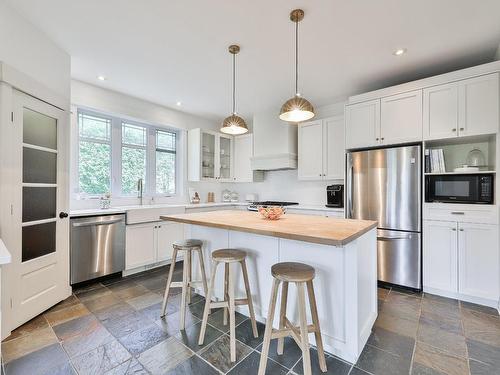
(234, 124)
(297, 109)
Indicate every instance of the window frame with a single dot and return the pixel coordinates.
(116, 144)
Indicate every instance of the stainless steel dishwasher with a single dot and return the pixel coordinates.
(97, 246)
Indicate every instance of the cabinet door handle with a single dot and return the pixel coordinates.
(376, 139)
(462, 129)
(461, 229)
(457, 213)
(454, 229)
(454, 129)
(382, 138)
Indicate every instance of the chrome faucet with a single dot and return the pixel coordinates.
(139, 189)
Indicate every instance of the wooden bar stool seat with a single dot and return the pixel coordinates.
(228, 256)
(187, 246)
(302, 275)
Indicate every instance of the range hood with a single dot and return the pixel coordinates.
(274, 142)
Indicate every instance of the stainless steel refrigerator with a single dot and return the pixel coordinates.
(385, 185)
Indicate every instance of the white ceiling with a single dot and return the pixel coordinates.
(169, 50)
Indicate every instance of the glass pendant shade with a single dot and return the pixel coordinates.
(296, 110)
(234, 125)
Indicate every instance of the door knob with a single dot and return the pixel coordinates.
(63, 215)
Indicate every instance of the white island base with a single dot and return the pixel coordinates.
(345, 283)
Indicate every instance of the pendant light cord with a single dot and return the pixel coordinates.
(234, 83)
(296, 58)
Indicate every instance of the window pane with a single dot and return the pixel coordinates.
(133, 135)
(38, 240)
(94, 127)
(39, 166)
(95, 167)
(165, 172)
(39, 203)
(165, 140)
(133, 168)
(39, 129)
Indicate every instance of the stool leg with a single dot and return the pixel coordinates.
(232, 315)
(208, 299)
(169, 281)
(249, 298)
(185, 287)
(317, 332)
(269, 328)
(202, 269)
(306, 356)
(226, 296)
(284, 298)
(189, 277)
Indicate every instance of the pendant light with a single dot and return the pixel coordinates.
(297, 109)
(234, 124)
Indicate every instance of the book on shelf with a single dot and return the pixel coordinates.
(436, 161)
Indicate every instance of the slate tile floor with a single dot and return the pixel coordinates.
(113, 328)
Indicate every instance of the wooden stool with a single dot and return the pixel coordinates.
(228, 256)
(300, 274)
(188, 246)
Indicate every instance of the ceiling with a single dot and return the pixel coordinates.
(176, 50)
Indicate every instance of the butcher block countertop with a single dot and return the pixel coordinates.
(308, 228)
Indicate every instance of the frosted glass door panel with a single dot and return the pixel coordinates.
(39, 129)
(39, 166)
(39, 203)
(38, 240)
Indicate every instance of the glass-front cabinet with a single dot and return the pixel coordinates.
(210, 156)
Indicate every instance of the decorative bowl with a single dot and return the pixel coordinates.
(271, 212)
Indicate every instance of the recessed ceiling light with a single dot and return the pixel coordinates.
(178, 104)
(101, 78)
(399, 52)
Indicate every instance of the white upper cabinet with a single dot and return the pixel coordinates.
(479, 105)
(310, 163)
(210, 156)
(321, 149)
(333, 148)
(401, 118)
(467, 107)
(243, 152)
(441, 111)
(362, 125)
(478, 257)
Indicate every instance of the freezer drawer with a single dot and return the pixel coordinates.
(97, 247)
(399, 258)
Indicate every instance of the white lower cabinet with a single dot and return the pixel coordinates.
(462, 260)
(150, 243)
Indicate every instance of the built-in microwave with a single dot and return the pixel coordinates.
(459, 188)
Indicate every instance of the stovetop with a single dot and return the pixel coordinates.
(253, 206)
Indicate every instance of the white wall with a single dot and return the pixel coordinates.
(31, 52)
(115, 103)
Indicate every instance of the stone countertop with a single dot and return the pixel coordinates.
(308, 228)
(124, 209)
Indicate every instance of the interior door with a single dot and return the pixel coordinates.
(39, 273)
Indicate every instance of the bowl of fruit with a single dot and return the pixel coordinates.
(271, 212)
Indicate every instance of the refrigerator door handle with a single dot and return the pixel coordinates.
(350, 179)
(386, 238)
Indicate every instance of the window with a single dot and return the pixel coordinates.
(94, 150)
(134, 143)
(113, 154)
(165, 162)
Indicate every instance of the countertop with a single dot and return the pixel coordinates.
(124, 209)
(5, 256)
(308, 228)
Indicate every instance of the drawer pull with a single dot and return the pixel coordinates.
(457, 213)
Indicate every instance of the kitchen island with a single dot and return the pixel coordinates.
(343, 252)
